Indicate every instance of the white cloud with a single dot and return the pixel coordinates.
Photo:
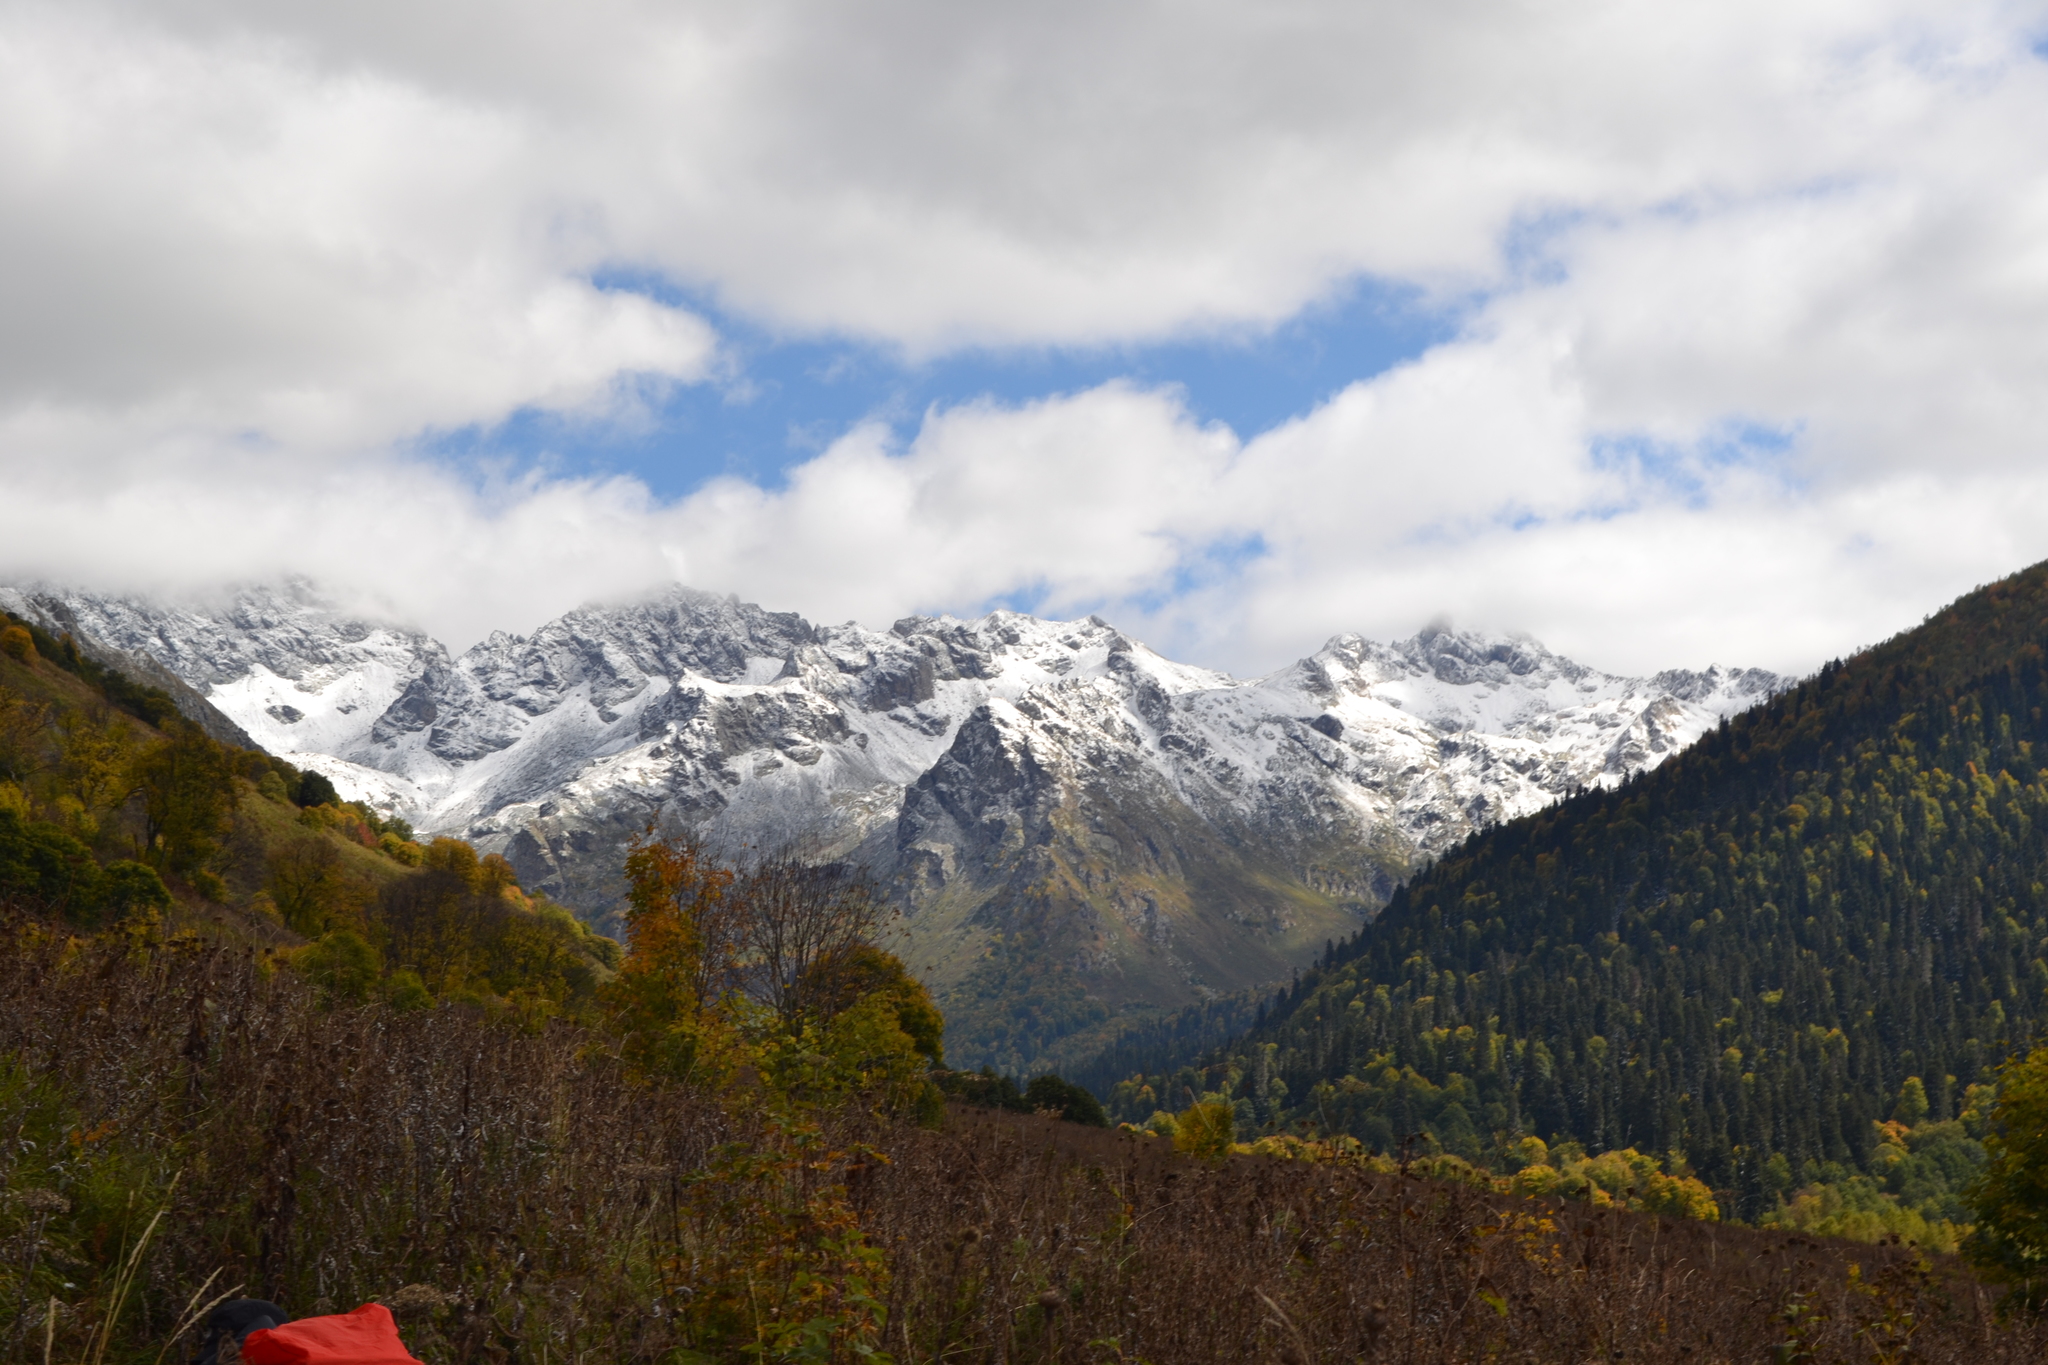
(253, 251)
(230, 238)
(1453, 486)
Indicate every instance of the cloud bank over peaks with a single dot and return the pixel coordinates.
(1460, 485)
(1747, 307)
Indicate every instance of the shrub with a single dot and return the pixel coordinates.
(835, 983)
(1205, 1131)
(341, 963)
(42, 866)
(1049, 1094)
(2010, 1197)
(556, 1210)
(130, 888)
(315, 790)
(403, 990)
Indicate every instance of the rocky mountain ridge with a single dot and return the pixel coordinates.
(1076, 827)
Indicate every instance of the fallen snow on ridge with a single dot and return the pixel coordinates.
(719, 712)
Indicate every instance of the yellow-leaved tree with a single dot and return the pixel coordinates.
(767, 971)
(1206, 1130)
(760, 983)
(679, 954)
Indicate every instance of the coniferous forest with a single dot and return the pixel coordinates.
(1789, 959)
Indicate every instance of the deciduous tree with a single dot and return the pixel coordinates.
(795, 916)
(187, 786)
(2011, 1195)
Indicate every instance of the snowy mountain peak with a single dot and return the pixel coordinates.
(1163, 830)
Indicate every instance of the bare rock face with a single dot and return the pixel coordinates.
(1075, 827)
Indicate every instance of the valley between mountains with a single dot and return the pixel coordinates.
(1078, 831)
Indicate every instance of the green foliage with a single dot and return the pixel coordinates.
(130, 889)
(1048, 1094)
(93, 775)
(186, 791)
(145, 703)
(678, 956)
(837, 982)
(356, 823)
(1020, 1000)
(1741, 956)
(405, 991)
(1155, 1045)
(72, 1202)
(342, 964)
(311, 884)
(2010, 1199)
(858, 1052)
(489, 940)
(81, 784)
(23, 747)
(1205, 1131)
(1858, 1209)
(1913, 1192)
(1628, 1178)
(984, 1089)
(763, 970)
(788, 1273)
(43, 867)
(315, 790)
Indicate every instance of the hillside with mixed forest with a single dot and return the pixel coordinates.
(1789, 960)
(118, 813)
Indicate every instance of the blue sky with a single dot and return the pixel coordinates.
(777, 401)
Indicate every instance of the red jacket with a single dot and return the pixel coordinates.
(367, 1336)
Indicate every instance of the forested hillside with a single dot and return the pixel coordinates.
(1788, 959)
(118, 814)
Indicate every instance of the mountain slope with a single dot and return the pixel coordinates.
(1742, 956)
(118, 815)
(1078, 827)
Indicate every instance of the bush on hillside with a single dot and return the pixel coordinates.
(315, 790)
(1049, 1094)
(2010, 1241)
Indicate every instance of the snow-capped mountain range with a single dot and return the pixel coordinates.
(1053, 801)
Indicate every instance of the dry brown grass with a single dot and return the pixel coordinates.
(565, 1214)
(1154, 1257)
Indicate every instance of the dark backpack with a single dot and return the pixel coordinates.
(234, 1320)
